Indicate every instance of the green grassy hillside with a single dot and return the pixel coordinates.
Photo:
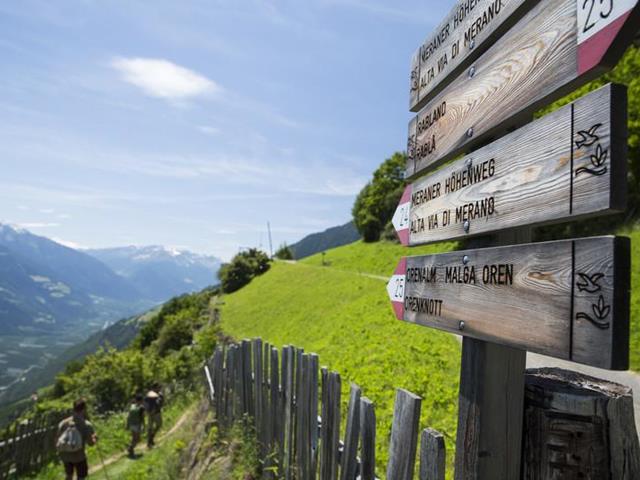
(379, 258)
(346, 318)
(341, 313)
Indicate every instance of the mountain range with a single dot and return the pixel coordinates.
(53, 296)
(58, 304)
(159, 273)
(320, 241)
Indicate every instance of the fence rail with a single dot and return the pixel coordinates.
(298, 427)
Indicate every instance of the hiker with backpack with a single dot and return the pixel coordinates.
(153, 403)
(74, 433)
(135, 422)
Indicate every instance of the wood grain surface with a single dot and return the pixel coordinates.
(578, 427)
(404, 435)
(433, 455)
(349, 459)
(568, 299)
(570, 164)
(533, 64)
(490, 406)
(464, 34)
(368, 435)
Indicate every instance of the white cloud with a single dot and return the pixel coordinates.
(29, 225)
(164, 79)
(209, 130)
(47, 210)
(69, 243)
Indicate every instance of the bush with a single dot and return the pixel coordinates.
(151, 330)
(377, 201)
(162, 352)
(242, 269)
(389, 234)
(109, 378)
(284, 252)
(176, 333)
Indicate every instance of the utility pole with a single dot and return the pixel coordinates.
(270, 243)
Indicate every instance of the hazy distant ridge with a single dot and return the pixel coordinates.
(330, 238)
(158, 272)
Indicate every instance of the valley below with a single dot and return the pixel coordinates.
(58, 303)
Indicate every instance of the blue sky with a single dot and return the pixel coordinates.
(190, 124)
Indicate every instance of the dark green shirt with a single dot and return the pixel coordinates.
(135, 418)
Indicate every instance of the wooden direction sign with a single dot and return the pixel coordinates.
(568, 299)
(464, 34)
(553, 48)
(569, 164)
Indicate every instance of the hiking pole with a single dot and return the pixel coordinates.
(104, 466)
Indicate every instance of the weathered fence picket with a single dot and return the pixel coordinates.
(314, 365)
(432, 455)
(404, 436)
(330, 415)
(351, 436)
(368, 437)
(25, 448)
(280, 399)
(275, 426)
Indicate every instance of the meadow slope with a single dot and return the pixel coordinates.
(345, 317)
(341, 312)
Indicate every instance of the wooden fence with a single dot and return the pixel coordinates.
(298, 428)
(27, 446)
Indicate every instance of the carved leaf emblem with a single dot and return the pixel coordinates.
(601, 310)
(598, 160)
(600, 157)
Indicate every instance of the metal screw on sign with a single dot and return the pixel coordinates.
(472, 71)
(466, 226)
(465, 259)
(472, 44)
(468, 163)
(470, 132)
(461, 325)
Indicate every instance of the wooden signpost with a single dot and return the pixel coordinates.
(484, 72)
(463, 35)
(567, 165)
(555, 47)
(567, 299)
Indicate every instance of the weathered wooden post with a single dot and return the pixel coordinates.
(578, 426)
(485, 70)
